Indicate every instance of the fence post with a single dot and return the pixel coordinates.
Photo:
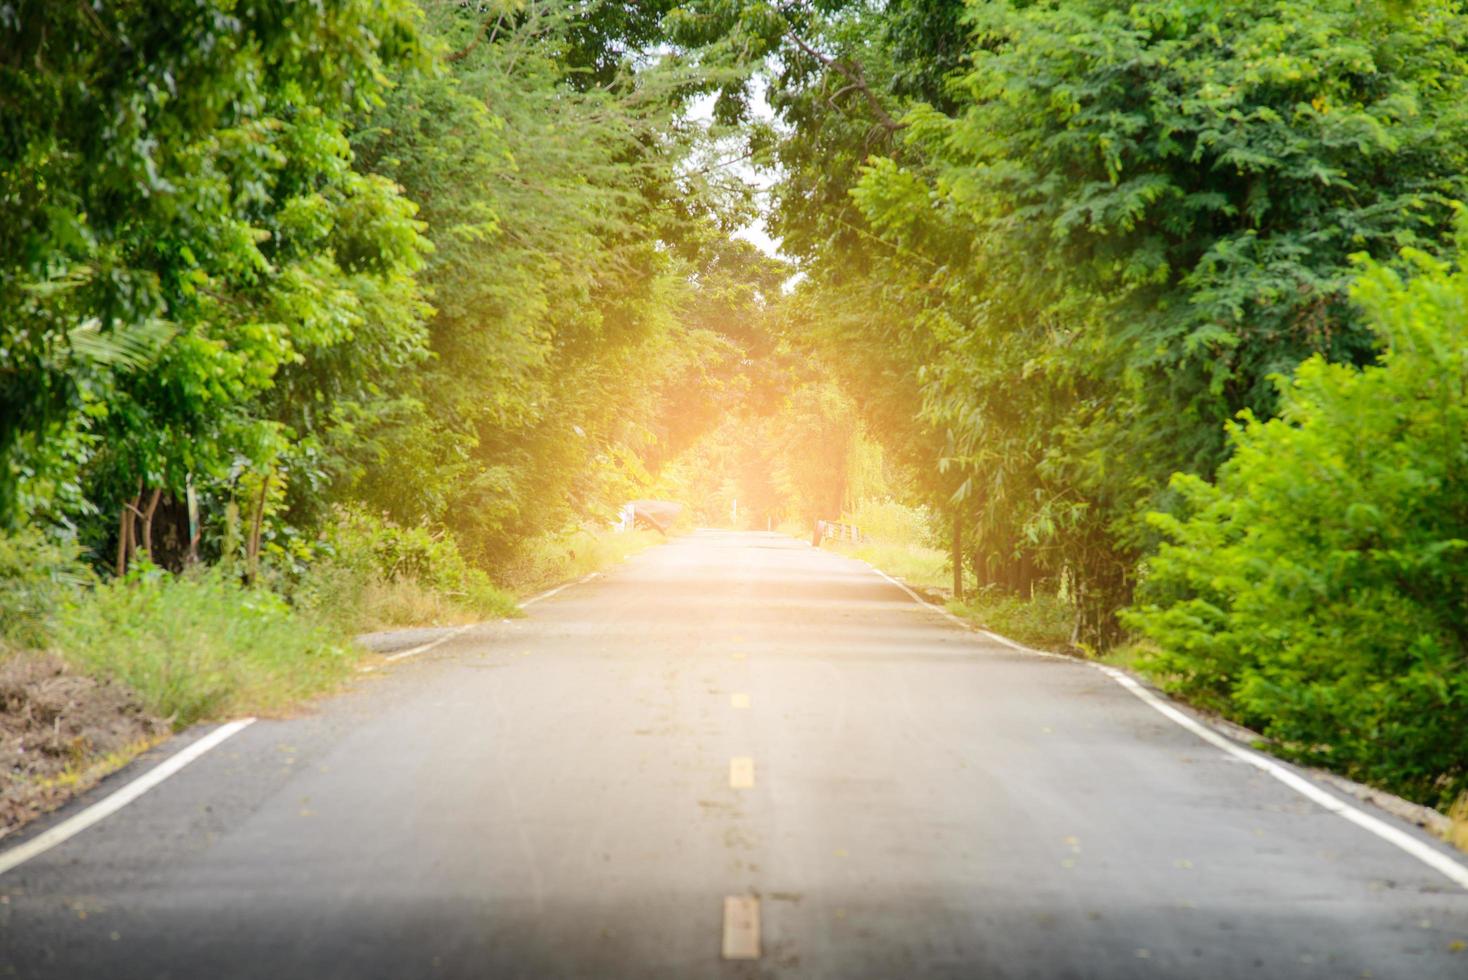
(957, 556)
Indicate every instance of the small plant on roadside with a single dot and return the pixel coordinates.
(373, 573)
(38, 575)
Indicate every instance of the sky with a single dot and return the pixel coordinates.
(702, 110)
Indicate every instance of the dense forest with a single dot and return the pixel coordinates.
(1156, 310)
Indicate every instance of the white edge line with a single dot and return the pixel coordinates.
(424, 648)
(559, 589)
(1429, 856)
(401, 654)
(1403, 841)
(104, 808)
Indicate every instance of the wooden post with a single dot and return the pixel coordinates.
(957, 556)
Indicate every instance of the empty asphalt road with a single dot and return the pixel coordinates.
(731, 733)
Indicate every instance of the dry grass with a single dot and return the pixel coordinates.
(1458, 831)
(405, 602)
(61, 731)
(553, 559)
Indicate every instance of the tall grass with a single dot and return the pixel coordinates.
(374, 574)
(1042, 621)
(37, 576)
(200, 645)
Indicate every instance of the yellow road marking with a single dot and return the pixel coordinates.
(739, 700)
(738, 656)
(741, 772)
(741, 927)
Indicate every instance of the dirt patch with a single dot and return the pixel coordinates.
(60, 732)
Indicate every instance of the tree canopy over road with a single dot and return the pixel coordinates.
(1157, 310)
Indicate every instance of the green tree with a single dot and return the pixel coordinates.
(170, 176)
(1316, 590)
(1132, 219)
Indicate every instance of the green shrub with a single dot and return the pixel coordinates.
(1319, 591)
(373, 573)
(38, 576)
(200, 645)
(890, 522)
(550, 559)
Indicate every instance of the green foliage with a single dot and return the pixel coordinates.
(554, 559)
(200, 645)
(894, 522)
(814, 430)
(38, 576)
(1317, 590)
(1043, 620)
(1142, 214)
(566, 233)
(372, 574)
(190, 169)
(1052, 282)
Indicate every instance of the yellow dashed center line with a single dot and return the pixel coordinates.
(739, 700)
(741, 927)
(741, 772)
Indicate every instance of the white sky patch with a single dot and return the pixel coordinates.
(702, 110)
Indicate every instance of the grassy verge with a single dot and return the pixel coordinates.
(920, 567)
(1043, 622)
(551, 560)
(200, 645)
(1458, 834)
(373, 575)
(378, 576)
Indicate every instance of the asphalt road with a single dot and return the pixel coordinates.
(552, 797)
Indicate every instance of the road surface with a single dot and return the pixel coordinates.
(582, 793)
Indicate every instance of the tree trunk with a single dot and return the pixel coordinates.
(252, 545)
(127, 534)
(148, 521)
(1078, 597)
(1026, 575)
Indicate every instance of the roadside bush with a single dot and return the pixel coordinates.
(1319, 591)
(374, 573)
(890, 522)
(199, 645)
(550, 559)
(37, 577)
